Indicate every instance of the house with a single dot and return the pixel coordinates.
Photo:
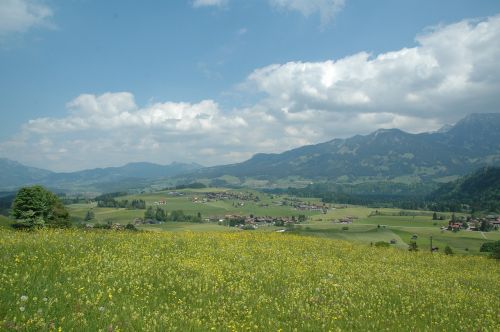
(496, 222)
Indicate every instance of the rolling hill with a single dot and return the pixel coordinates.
(14, 175)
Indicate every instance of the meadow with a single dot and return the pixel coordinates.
(364, 229)
(63, 280)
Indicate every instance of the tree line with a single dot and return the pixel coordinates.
(135, 204)
(158, 214)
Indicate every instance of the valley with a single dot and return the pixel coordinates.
(365, 225)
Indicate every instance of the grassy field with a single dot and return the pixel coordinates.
(5, 222)
(240, 281)
(364, 229)
(185, 203)
(400, 228)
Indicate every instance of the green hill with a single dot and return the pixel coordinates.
(480, 190)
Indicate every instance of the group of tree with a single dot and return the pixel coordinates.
(159, 214)
(37, 207)
(477, 192)
(492, 247)
(194, 185)
(135, 204)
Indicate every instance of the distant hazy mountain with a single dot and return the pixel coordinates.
(133, 170)
(384, 154)
(14, 174)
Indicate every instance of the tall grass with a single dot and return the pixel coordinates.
(120, 281)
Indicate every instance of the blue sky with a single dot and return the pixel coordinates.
(89, 83)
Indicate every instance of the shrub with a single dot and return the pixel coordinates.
(413, 246)
(102, 226)
(248, 227)
(382, 244)
(448, 250)
(345, 228)
(131, 227)
(495, 253)
(489, 246)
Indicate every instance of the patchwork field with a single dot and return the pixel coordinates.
(242, 281)
(364, 229)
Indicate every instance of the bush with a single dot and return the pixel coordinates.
(102, 226)
(448, 250)
(489, 246)
(495, 253)
(131, 227)
(345, 228)
(248, 227)
(382, 244)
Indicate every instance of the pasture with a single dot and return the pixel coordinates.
(364, 229)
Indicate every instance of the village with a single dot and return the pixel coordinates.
(303, 205)
(485, 224)
(254, 222)
(225, 195)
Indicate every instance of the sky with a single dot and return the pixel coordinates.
(91, 83)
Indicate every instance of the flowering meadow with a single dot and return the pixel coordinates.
(243, 281)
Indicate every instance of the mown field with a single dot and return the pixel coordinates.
(240, 281)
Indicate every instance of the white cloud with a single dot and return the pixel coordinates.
(208, 3)
(118, 110)
(111, 127)
(18, 16)
(325, 8)
(452, 71)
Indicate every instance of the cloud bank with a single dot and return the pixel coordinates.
(453, 71)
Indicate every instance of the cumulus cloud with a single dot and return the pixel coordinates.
(18, 16)
(451, 72)
(113, 127)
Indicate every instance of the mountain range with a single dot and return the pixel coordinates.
(132, 175)
(384, 155)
